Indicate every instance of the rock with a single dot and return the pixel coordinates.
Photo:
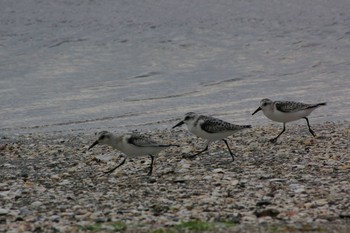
(218, 170)
(64, 182)
(55, 218)
(207, 177)
(344, 215)
(24, 211)
(249, 219)
(55, 177)
(7, 165)
(263, 203)
(267, 212)
(36, 204)
(297, 188)
(4, 211)
(234, 182)
(4, 194)
(186, 150)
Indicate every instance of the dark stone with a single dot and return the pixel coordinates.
(263, 203)
(100, 220)
(344, 215)
(160, 209)
(268, 212)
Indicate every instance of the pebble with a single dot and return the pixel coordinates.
(4, 211)
(267, 212)
(55, 218)
(36, 204)
(64, 182)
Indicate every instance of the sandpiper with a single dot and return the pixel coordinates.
(286, 111)
(132, 145)
(210, 128)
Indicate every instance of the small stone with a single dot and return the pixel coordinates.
(4, 211)
(263, 203)
(186, 150)
(321, 202)
(277, 180)
(3, 146)
(207, 177)
(55, 218)
(36, 204)
(249, 219)
(268, 212)
(183, 170)
(55, 177)
(297, 188)
(24, 211)
(234, 182)
(344, 215)
(7, 165)
(218, 170)
(64, 182)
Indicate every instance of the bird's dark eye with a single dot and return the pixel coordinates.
(264, 104)
(102, 137)
(187, 118)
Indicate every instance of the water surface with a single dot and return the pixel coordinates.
(121, 65)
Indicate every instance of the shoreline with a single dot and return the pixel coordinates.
(48, 182)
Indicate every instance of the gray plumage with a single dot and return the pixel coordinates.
(287, 111)
(215, 125)
(291, 106)
(143, 141)
(210, 128)
(132, 145)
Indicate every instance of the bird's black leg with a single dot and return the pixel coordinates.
(151, 167)
(308, 125)
(284, 129)
(232, 155)
(200, 152)
(109, 171)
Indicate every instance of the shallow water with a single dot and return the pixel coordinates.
(92, 65)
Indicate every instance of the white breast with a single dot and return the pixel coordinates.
(136, 151)
(287, 117)
(197, 130)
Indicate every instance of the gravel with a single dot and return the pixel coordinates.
(49, 182)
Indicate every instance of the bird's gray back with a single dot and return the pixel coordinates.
(214, 125)
(290, 106)
(141, 140)
(144, 141)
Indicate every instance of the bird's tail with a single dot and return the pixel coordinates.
(169, 145)
(317, 105)
(245, 126)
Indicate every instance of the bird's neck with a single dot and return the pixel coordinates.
(115, 142)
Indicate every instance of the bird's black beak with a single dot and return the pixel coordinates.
(257, 110)
(178, 124)
(93, 144)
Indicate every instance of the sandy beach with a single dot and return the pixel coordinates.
(70, 69)
(49, 183)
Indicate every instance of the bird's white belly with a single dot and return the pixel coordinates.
(209, 136)
(287, 117)
(136, 151)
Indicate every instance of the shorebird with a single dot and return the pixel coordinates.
(210, 128)
(286, 111)
(132, 145)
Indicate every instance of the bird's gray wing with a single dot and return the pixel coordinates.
(140, 140)
(214, 125)
(290, 106)
(143, 141)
